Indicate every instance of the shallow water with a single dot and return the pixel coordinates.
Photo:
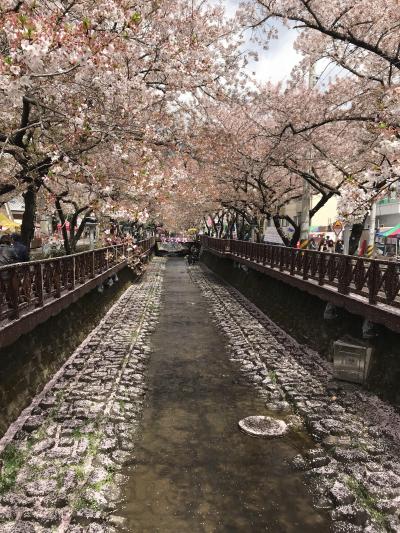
(194, 470)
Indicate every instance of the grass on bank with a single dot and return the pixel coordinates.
(367, 501)
(11, 460)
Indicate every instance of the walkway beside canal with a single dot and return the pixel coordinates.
(138, 430)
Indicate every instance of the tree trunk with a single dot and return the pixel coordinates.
(78, 235)
(356, 232)
(278, 227)
(295, 237)
(240, 227)
(64, 231)
(28, 218)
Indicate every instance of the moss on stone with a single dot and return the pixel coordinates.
(11, 460)
(367, 501)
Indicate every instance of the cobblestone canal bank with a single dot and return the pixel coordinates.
(354, 471)
(28, 364)
(138, 431)
(60, 460)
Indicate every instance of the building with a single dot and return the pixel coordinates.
(322, 221)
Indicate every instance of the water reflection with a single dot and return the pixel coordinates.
(195, 471)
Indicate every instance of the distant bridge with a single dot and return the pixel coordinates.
(366, 287)
(32, 292)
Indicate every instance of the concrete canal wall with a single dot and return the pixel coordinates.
(28, 364)
(302, 315)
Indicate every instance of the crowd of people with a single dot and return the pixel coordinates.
(12, 250)
(326, 245)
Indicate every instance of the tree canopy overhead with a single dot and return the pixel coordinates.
(147, 108)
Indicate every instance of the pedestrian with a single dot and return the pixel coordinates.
(7, 253)
(330, 246)
(7, 257)
(312, 245)
(21, 251)
(339, 247)
(322, 245)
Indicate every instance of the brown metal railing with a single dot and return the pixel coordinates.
(376, 280)
(26, 286)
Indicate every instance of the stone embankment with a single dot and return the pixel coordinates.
(60, 461)
(354, 468)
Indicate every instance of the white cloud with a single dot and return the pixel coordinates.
(276, 63)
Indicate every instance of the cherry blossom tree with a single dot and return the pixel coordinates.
(78, 76)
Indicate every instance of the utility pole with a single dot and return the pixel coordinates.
(371, 235)
(305, 215)
(306, 196)
(346, 239)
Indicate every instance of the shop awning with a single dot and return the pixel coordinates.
(6, 223)
(392, 232)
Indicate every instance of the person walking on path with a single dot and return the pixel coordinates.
(323, 245)
(7, 257)
(7, 252)
(339, 247)
(312, 245)
(21, 251)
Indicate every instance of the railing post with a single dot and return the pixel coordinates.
(92, 265)
(39, 284)
(344, 274)
(57, 278)
(12, 293)
(374, 278)
(281, 259)
(264, 254)
(273, 249)
(73, 273)
(306, 263)
(293, 253)
(321, 268)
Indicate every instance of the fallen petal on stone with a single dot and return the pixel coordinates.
(277, 406)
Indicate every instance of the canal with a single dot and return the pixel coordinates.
(28, 364)
(194, 471)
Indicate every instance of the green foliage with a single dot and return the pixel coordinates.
(367, 500)
(80, 471)
(86, 23)
(272, 375)
(136, 18)
(11, 461)
(84, 503)
(23, 19)
(76, 433)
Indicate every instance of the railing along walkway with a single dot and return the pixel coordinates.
(31, 292)
(365, 286)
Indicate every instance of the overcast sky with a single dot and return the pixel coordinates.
(276, 63)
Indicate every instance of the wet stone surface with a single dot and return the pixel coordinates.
(263, 426)
(354, 471)
(215, 359)
(60, 460)
(194, 469)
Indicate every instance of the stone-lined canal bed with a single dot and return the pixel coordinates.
(354, 470)
(60, 460)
